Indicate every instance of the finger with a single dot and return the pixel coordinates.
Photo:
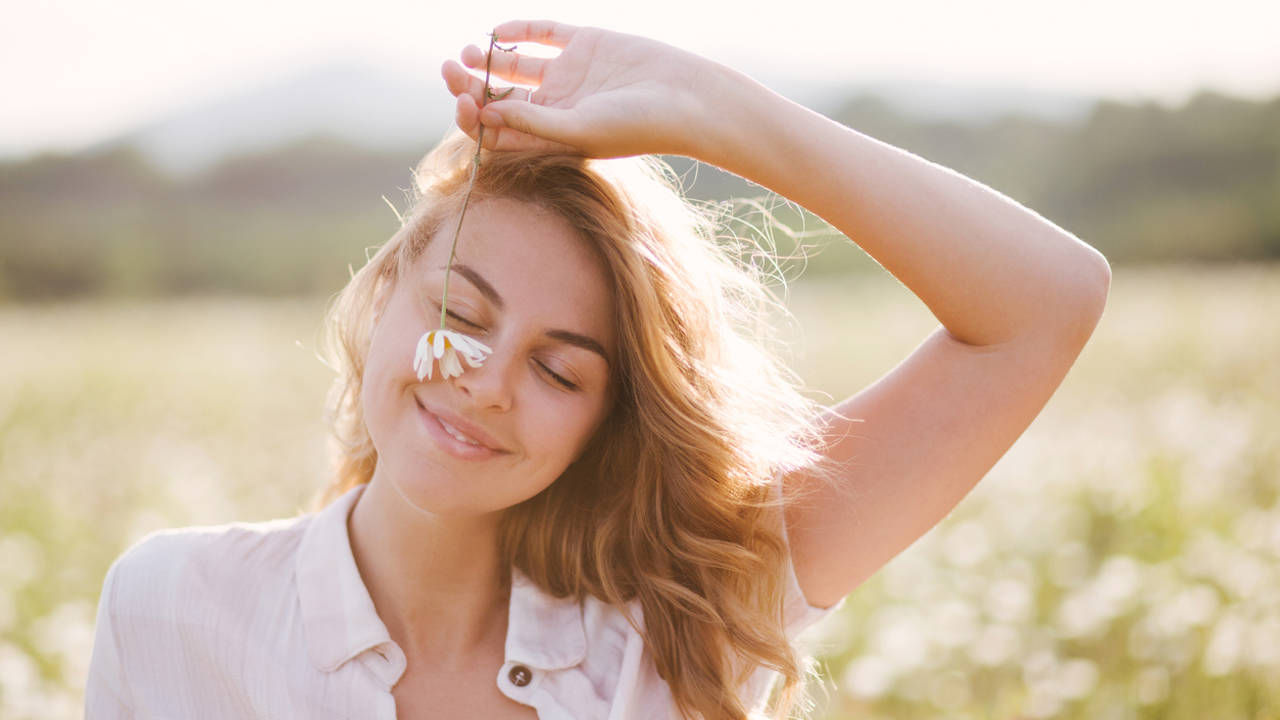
(507, 139)
(543, 32)
(497, 137)
(467, 114)
(460, 82)
(510, 66)
(551, 125)
(504, 139)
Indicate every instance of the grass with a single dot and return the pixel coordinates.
(1121, 561)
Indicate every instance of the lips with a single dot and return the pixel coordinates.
(464, 433)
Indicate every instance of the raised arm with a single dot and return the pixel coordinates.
(1016, 296)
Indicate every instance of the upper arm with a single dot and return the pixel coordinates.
(106, 690)
(135, 613)
(906, 449)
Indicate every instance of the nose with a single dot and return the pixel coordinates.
(488, 387)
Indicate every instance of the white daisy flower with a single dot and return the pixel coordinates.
(446, 346)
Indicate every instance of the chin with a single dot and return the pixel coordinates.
(433, 494)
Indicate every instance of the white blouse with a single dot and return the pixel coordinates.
(272, 620)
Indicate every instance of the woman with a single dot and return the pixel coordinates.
(624, 509)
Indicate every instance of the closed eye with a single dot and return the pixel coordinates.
(553, 375)
(556, 377)
(451, 314)
(462, 320)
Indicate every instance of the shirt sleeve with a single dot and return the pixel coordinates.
(106, 691)
(799, 614)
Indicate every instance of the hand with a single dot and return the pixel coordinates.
(606, 94)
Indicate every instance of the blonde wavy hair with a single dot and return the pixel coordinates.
(671, 502)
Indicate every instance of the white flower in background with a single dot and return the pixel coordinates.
(995, 645)
(1151, 685)
(900, 637)
(1076, 678)
(870, 676)
(446, 346)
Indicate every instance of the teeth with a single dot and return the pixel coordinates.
(456, 433)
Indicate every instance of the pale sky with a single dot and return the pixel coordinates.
(78, 71)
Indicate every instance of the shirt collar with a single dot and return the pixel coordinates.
(340, 622)
(543, 631)
(338, 618)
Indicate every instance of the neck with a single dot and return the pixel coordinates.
(435, 581)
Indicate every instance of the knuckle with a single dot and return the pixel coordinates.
(516, 123)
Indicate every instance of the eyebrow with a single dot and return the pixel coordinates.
(582, 341)
(479, 282)
(565, 336)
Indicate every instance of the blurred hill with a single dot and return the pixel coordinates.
(351, 101)
(383, 109)
(284, 210)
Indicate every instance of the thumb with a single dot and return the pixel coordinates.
(538, 122)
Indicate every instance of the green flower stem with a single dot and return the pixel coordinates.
(485, 96)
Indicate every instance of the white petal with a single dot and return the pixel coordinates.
(423, 352)
(449, 365)
(437, 348)
(472, 346)
(473, 350)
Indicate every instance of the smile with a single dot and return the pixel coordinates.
(456, 433)
(453, 440)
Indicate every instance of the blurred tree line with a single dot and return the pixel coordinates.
(1142, 183)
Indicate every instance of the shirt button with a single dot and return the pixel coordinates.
(520, 675)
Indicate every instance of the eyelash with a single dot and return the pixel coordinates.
(462, 320)
(558, 379)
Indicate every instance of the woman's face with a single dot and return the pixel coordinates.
(529, 287)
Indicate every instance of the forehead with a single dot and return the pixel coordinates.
(542, 267)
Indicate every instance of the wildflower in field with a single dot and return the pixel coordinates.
(446, 346)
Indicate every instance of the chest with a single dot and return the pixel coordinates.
(427, 696)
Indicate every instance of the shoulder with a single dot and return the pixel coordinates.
(185, 608)
(170, 570)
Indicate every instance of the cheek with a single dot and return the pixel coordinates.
(371, 403)
(586, 423)
(561, 430)
(377, 382)
(391, 349)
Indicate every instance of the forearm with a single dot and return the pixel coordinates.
(989, 269)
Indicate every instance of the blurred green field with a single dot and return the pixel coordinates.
(1122, 561)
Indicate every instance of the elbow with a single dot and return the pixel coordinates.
(1100, 283)
(1089, 299)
